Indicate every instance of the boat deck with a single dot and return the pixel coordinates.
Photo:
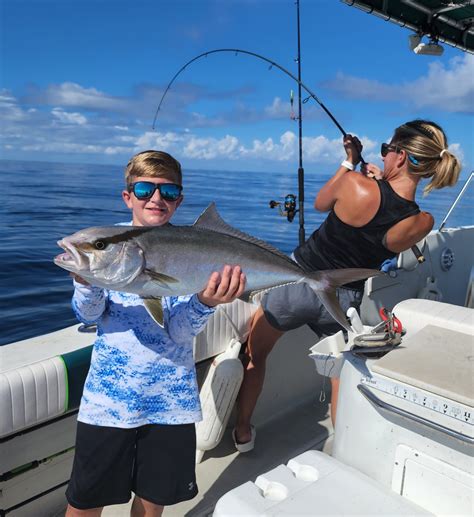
(302, 428)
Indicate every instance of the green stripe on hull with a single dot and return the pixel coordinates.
(77, 366)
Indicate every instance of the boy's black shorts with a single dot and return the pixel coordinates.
(156, 462)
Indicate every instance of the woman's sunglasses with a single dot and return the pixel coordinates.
(146, 189)
(386, 148)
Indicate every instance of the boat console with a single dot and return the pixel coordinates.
(404, 437)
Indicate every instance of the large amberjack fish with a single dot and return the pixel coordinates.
(156, 261)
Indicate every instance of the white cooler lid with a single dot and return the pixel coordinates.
(314, 484)
(435, 359)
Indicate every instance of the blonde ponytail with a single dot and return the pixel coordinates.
(446, 173)
(428, 157)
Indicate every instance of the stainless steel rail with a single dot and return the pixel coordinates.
(375, 401)
(460, 195)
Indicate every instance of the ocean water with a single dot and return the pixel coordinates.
(43, 202)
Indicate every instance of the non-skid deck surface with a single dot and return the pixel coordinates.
(223, 468)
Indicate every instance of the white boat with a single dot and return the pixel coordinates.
(404, 439)
(41, 379)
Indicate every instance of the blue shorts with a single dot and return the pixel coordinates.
(291, 306)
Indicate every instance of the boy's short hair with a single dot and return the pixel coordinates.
(153, 164)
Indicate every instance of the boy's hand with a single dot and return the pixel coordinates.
(223, 287)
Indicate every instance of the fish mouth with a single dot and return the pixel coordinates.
(71, 259)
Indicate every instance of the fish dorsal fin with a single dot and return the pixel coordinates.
(211, 220)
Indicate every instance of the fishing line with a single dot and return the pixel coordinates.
(272, 64)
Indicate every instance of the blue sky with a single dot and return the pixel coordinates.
(81, 80)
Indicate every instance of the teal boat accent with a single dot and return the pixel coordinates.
(77, 365)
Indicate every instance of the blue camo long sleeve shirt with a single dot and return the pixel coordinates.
(140, 373)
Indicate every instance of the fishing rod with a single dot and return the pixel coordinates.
(290, 202)
(290, 199)
(300, 135)
(311, 95)
(272, 63)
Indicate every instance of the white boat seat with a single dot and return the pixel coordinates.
(230, 321)
(32, 394)
(416, 313)
(36, 386)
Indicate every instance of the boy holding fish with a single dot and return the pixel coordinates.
(136, 429)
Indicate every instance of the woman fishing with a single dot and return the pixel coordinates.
(368, 222)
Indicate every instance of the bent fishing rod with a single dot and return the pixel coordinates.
(311, 95)
(272, 63)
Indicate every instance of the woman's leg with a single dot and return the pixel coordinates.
(261, 341)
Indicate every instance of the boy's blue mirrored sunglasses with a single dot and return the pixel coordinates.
(146, 189)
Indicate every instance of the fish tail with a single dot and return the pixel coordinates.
(324, 283)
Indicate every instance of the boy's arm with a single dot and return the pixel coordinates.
(185, 320)
(185, 317)
(88, 302)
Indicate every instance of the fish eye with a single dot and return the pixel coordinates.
(100, 245)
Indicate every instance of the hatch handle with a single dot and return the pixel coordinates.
(381, 404)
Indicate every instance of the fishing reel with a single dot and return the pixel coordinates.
(289, 207)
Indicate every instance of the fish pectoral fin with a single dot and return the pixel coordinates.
(161, 278)
(330, 301)
(154, 308)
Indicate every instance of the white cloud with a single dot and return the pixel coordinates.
(6, 96)
(64, 147)
(125, 138)
(277, 109)
(211, 148)
(320, 148)
(154, 140)
(61, 131)
(457, 150)
(110, 150)
(267, 149)
(447, 87)
(69, 118)
(9, 109)
(285, 149)
(73, 94)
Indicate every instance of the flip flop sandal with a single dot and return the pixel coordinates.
(247, 446)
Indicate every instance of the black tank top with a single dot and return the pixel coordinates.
(337, 245)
